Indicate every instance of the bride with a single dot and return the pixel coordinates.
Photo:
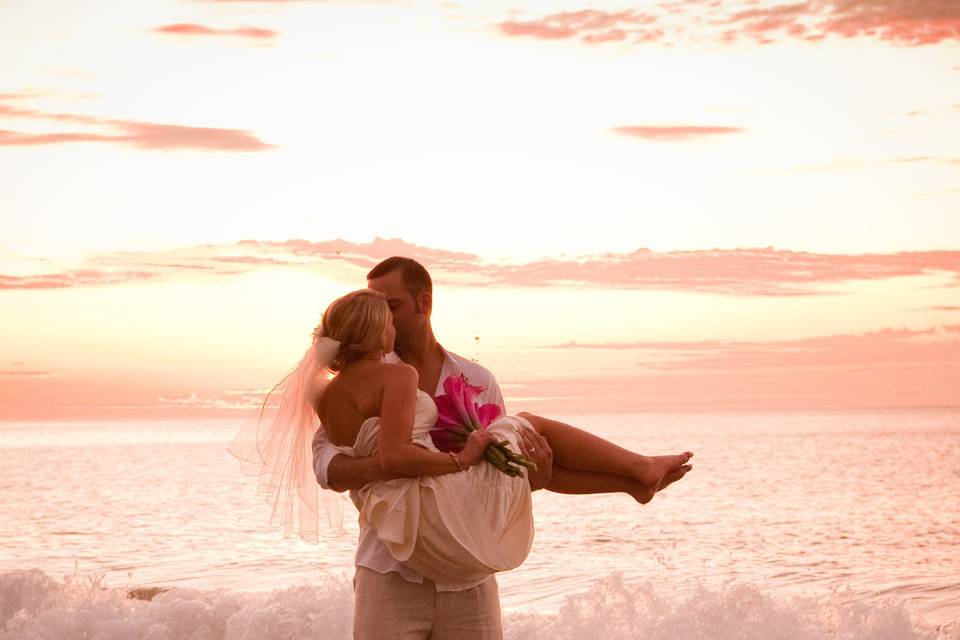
(449, 516)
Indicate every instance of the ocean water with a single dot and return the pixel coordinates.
(791, 525)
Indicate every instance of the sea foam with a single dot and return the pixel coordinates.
(36, 606)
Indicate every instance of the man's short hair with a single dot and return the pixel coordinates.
(416, 280)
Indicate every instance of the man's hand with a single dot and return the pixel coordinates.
(535, 448)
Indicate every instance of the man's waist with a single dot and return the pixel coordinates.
(373, 554)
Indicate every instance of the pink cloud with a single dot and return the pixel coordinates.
(735, 272)
(897, 386)
(84, 395)
(673, 133)
(909, 22)
(219, 261)
(542, 30)
(611, 35)
(893, 367)
(73, 278)
(143, 135)
(886, 368)
(26, 373)
(148, 135)
(225, 402)
(752, 272)
(901, 22)
(16, 139)
(593, 25)
(186, 29)
(26, 95)
(886, 346)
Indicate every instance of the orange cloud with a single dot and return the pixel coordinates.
(888, 346)
(756, 272)
(735, 272)
(674, 133)
(86, 395)
(19, 96)
(229, 400)
(909, 22)
(901, 22)
(143, 135)
(218, 261)
(73, 278)
(185, 29)
(26, 373)
(593, 26)
(887, 368)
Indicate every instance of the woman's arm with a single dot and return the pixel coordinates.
(398, 457)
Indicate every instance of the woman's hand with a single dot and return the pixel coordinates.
(476, 446)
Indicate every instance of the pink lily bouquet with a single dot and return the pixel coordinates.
(458, 414)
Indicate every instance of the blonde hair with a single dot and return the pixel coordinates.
(358, 321)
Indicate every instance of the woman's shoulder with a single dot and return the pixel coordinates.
(362, 387)
(399, 372)
(381, 373)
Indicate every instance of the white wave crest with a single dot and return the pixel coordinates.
(612, 609)
(37, 607)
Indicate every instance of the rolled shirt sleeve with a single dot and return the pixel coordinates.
(323, 453)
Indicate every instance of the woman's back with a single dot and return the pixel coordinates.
(354, 396)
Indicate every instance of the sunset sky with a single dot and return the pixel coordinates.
(666, 205)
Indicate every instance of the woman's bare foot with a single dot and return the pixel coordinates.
(657, 473)
(673, 476)
(652, 469)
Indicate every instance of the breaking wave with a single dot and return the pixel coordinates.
(36, 606)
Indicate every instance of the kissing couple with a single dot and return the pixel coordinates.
(359, 412)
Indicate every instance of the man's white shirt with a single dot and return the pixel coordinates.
(371, 552)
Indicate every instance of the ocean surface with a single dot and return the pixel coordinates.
(791, 525)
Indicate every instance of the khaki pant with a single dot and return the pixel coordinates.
(387, 607)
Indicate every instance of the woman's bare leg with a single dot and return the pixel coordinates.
(585, 482)
(578, 450)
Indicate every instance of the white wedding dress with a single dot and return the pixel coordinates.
(456, 527)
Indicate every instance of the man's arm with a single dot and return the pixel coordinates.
(337, 471)
(340, 472)
(346, 473)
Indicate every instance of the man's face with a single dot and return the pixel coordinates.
(409, 314)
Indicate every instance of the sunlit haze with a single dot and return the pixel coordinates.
(685, 205)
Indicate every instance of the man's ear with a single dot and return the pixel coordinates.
(424, 303)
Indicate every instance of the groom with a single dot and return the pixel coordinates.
(390, 600)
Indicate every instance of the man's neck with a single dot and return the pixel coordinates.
(426, 356)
